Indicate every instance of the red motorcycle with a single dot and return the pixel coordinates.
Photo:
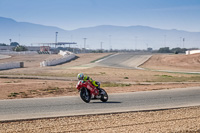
(88, 92)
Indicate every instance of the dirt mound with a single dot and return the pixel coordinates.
(174, 62)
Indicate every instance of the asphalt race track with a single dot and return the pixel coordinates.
(67, 106)
(124, 60)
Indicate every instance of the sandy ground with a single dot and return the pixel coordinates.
(166, 121)
(29, 88)
(174, 62)
(114, 80)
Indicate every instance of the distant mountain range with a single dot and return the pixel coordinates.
(115, 37)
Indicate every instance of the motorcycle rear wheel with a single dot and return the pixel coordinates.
(104, 96)
(85, 95)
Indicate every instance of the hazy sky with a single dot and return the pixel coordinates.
(73, 14)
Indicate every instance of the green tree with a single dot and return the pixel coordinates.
(20, 48)
(14, 44)
(164, 50)
(3, 44)
(178, 50)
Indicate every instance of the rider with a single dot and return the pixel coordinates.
(81, 76)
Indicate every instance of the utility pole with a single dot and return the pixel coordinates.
(10, 40)
(164, 40)
(183, 42)
(56, 39)
(102, 46)
(84, 43)
(19, 39)
(147, 46)
(135, 43)
(110, 42)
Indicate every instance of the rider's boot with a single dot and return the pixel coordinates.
(99, 89)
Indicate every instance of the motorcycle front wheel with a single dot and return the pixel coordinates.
(85, 95)
(104, 96)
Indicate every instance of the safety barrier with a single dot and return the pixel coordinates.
(4, 56)
(67, 56)
(65, 53)
(192, 52)
(11, 65)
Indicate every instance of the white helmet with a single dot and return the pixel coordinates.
(80, 76)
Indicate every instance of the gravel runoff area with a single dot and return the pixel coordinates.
(183, 120)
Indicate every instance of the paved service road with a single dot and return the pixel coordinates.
(67, 106)
(125, 60)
